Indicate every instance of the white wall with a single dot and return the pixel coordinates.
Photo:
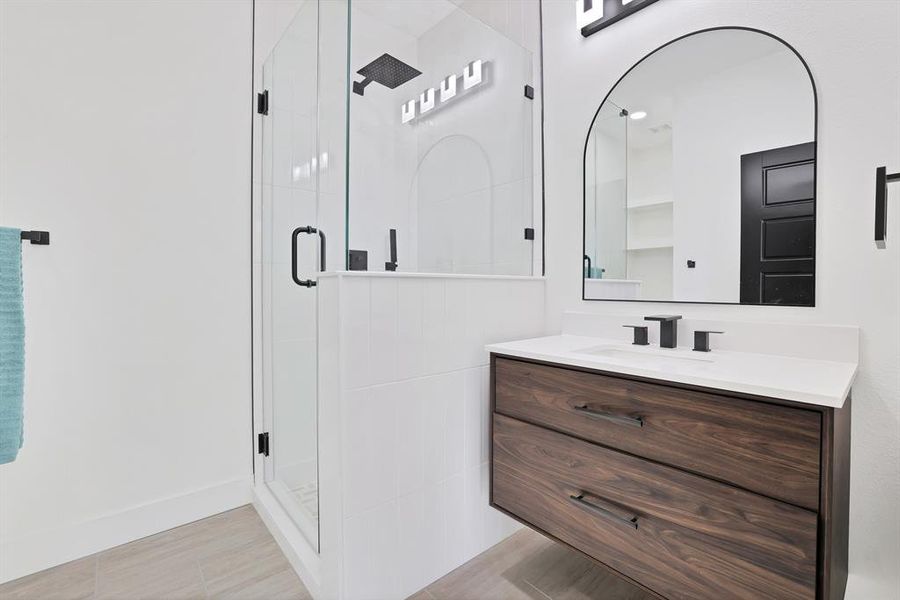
(856, 65)
(124, 131)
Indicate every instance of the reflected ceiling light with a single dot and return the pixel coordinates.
(637, 115)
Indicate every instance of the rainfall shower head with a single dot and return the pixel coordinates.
(386, 70)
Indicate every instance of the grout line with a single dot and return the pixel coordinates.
(96, 576)
(537, 589)
(417, 378)
(202, 578)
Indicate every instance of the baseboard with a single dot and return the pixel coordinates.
(44, 549)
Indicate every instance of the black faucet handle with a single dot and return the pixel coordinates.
(662, 318)
(641, 337)
(701, 340)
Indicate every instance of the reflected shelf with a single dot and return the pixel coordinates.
(651, 204)
(650, 244)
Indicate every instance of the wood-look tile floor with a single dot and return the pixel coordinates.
(528, 566)
(233, 556)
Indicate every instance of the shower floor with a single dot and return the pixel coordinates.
(308, 497)
(300, 503)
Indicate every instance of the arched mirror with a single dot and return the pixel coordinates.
(700, 176)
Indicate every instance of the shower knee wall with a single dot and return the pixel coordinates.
(403, 408)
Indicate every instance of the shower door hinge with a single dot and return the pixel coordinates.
(529, 233)
(262, 102)
(262, 444)
(529, 92)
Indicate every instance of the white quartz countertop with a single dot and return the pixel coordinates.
(818, 382)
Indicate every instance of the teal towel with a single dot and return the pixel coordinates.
(12, 344)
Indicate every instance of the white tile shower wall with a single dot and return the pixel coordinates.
(382, 152)
(475, 174)
(520, 21)
(394, 174)
(414, 422)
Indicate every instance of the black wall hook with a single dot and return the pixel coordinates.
(882, 179)
(41, 238)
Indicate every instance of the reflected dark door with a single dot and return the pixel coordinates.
(778, 226)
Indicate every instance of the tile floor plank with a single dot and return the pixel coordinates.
(72, 581)
(232, 556)
(528, 566)
(227, 556)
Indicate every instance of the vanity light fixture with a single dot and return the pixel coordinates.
(426, 100)
(588, 11)
(408, 111)
(472, 76)
(448, 88)
(637, 115)
(593, 15)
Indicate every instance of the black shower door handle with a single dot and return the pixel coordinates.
(294, 275)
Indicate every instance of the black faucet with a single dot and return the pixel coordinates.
(668, 329)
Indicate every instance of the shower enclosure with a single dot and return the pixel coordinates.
(289, 208)
(391, 135)
(445, 160)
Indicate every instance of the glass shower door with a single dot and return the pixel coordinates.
(293, 255)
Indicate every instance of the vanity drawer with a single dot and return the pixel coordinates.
(766, 448)
(681, 535)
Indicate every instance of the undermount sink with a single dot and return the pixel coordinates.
(643, 355)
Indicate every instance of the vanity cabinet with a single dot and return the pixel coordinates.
(689, 493)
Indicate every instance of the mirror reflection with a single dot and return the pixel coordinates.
(700, 176)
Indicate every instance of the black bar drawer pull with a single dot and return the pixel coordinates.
(597, 414)
(603, 512)
(310, 230)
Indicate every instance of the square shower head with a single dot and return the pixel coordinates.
(386, 70)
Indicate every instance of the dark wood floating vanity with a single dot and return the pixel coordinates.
(687, 492)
